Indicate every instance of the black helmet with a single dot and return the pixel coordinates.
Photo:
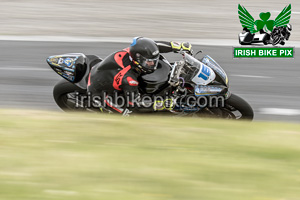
(145, 54)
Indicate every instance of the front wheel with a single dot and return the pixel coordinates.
(276, 40)
(237, 108)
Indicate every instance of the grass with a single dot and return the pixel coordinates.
(48, 155)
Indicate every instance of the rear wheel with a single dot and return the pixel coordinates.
(65, 94)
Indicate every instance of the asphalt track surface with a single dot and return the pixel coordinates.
(271, 86)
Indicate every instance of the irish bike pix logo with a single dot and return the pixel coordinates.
(264, 31)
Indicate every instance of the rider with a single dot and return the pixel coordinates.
(119, 72)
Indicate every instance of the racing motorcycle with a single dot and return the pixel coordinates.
(280, 34)
(190, 77)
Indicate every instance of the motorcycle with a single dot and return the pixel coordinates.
(280, 34)
(189, 78)
(247, 38)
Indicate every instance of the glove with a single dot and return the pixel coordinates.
(185, 46)
(167, 104)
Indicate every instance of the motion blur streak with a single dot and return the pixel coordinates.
(112, 157)
(118, 18)
(33, 88)
(279, 111)
(51, 155)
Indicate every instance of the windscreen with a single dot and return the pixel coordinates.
(192, 67)
(207, 60)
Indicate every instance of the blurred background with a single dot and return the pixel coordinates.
(52, 155)
(214, 19)
(30, 31)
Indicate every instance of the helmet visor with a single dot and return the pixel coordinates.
(148, 63)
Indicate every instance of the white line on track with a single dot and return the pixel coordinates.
(279, 111)
(193, 41)
(37, 38)
(24, 69)
(250, 76)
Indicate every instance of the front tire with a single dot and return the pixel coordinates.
(236, 104)
(276, 40)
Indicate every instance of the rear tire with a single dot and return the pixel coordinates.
(62, 93)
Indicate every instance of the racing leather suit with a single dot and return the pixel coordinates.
(118, 75)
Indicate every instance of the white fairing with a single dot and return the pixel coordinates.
(259, 36)
(204, 76)
(242, 36)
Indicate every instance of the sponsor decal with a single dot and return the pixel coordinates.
(69, 73)
(68, 62)
(118, 78)
(60, 61)
(63, 65)
(53, 60)
(205, 73)
(132, 82)
(207, 90)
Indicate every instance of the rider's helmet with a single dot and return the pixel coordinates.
(289, 27)
(245, 29)
(145, 54)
